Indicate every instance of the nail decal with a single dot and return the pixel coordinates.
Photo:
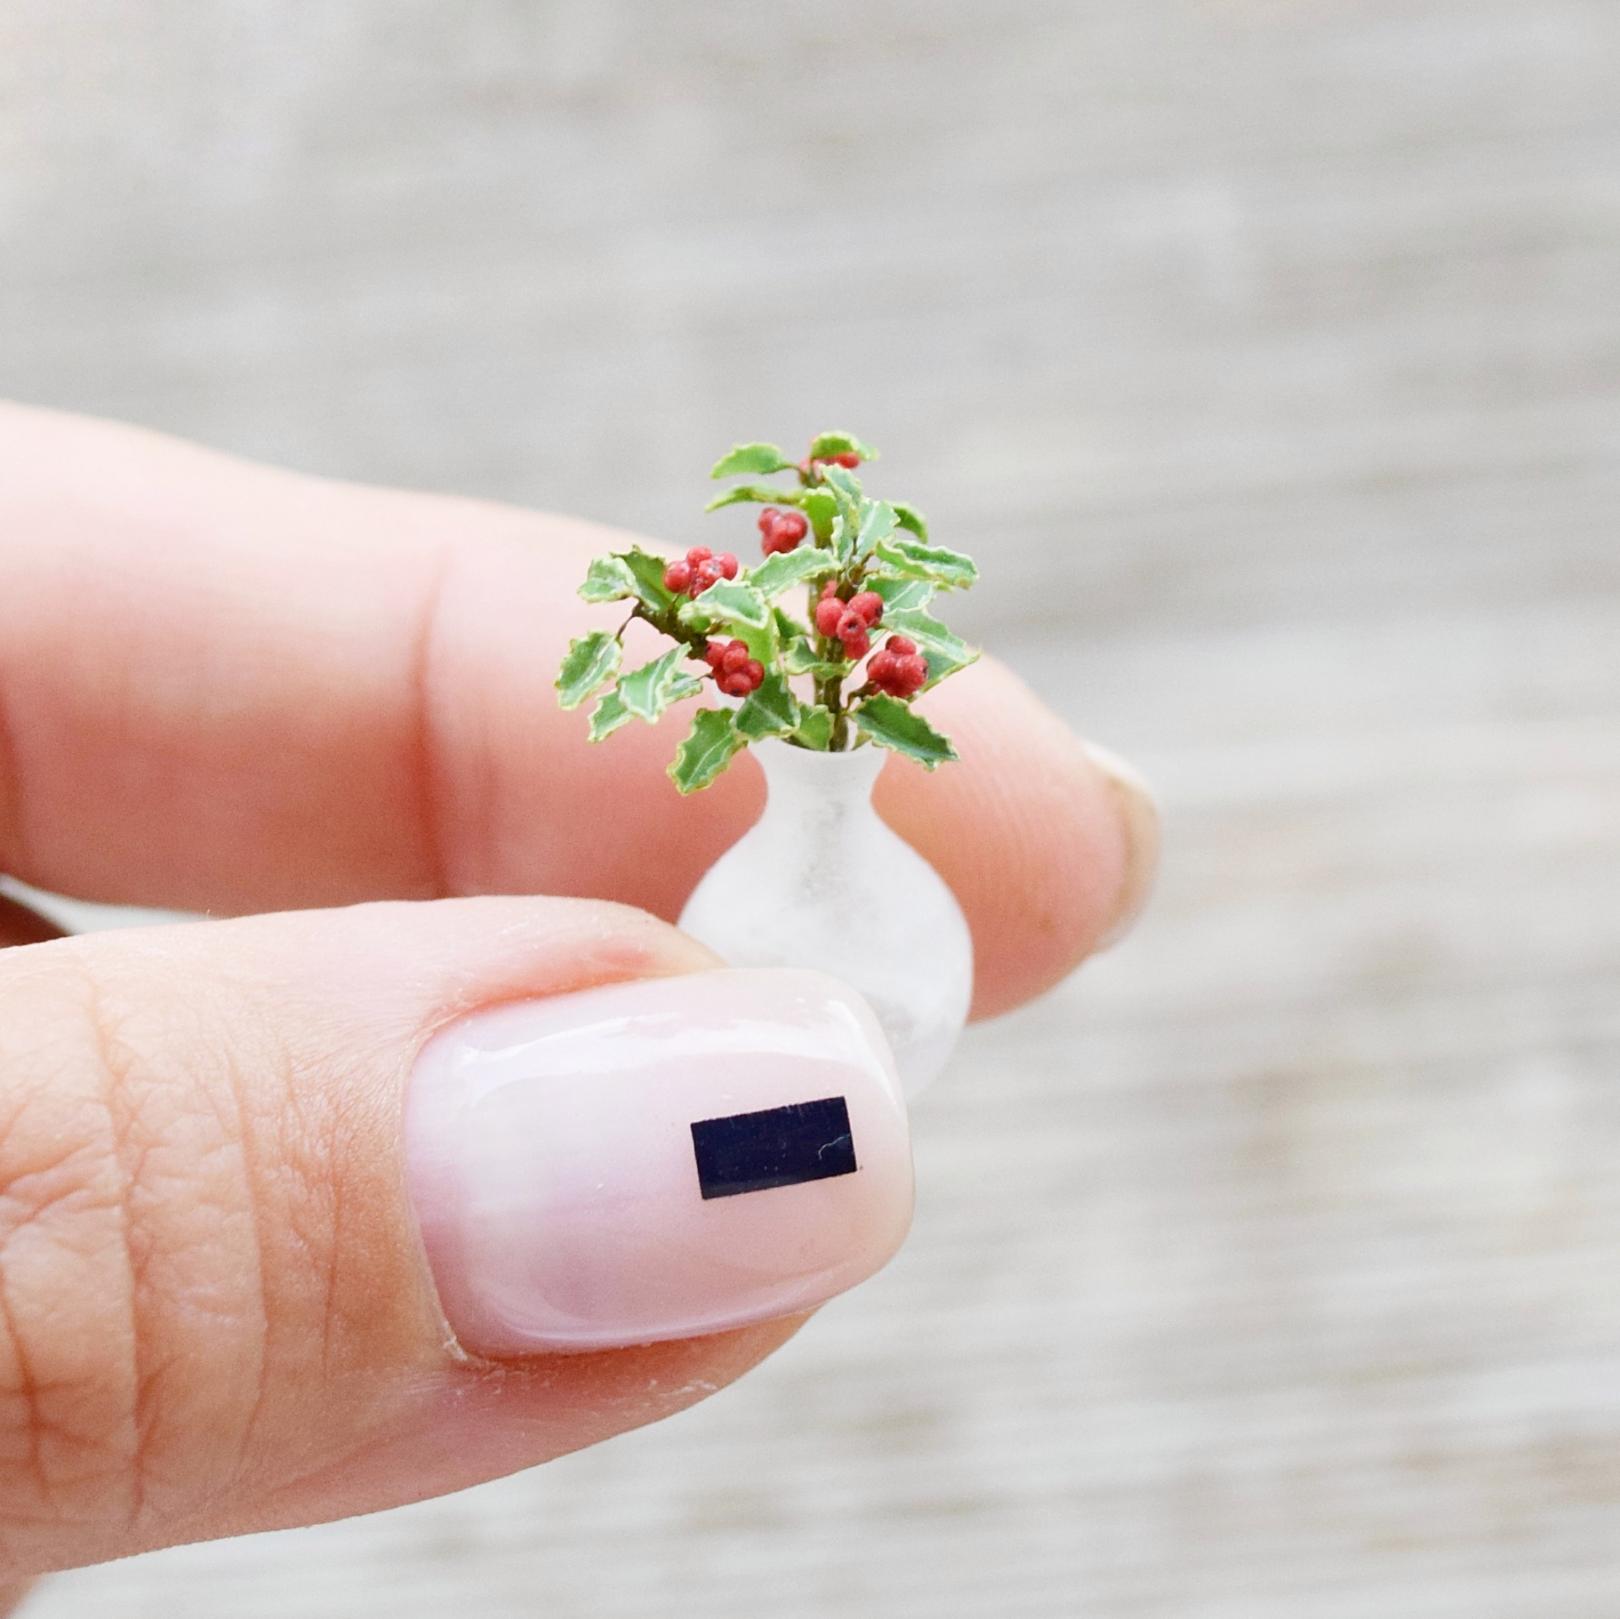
(778, 1146)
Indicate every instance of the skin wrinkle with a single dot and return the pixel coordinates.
(431, 781)
(60, 1216)
(11, 794)
(113, 1069)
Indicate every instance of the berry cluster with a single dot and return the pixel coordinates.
(850, 622)
(700, 569)
(736, 672)
(781, 531)
(898, 669)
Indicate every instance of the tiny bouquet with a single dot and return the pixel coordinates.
(823, 643)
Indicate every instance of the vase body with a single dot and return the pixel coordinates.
(820, 881)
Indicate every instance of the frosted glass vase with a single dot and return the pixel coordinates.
(820, 881)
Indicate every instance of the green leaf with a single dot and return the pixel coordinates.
(647, 569)
(731, 601)
(945, 651)
(909, 517)
(815, 726)
(948, 569)
(607, 579)
(761, 492)
(654, 686)
(635, 574)
(799, 656)
(590, 660)
(896, 725)
(776, 573)
(900, 592)
(750, 458)
(609, 715)
(844, 484)
(770, 710)
(841, 444)
(821, 507)
(709, 747)
(877, 524)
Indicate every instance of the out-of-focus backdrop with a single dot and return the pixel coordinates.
(1268, 355)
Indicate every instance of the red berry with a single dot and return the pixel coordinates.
(848, 459)
(734, 657)
(698, 553)
(829, 615)
(677, 576)
(791, 527)
(857, 646)
(868, 604)
(755, 671)
(851, 625)
(704, 575)
(898, 673)
(735, 685)
(727, 564)
(829, 590)
(713, 653)
(768, 519)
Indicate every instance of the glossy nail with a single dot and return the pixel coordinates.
(655, 1159)
(1139, 816)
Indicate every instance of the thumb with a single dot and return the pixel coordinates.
(315, 1213)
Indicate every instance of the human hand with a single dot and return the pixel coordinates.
(238, 690)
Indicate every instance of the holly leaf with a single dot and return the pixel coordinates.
(750, 458)
(647, 569)
(825, 444)
(899, 593)
(786, 568)
(608, 716)
(909, 517)
(815, 726)
(800, 659)
(821, 507)
(844, 484)
(709, 747)
(608, 579)
(590, 660)
(945, 651)
(761, 492)
(654, 686)
(769, 710)
(877, 524)
(950, 570)
(897, 726)
(732, 602)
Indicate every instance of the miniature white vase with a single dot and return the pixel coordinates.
(821, 882)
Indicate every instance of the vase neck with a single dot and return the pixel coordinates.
(846, 778)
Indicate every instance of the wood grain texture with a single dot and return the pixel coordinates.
(1269, 356)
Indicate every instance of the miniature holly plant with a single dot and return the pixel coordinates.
(841, 676)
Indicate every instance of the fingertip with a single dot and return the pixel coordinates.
(1032, 831)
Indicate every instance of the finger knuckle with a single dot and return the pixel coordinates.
(127, 1241)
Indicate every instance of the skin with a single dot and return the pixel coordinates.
(239, 690)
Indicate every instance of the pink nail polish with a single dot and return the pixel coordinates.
(655, 1159)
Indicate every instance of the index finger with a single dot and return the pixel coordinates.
(231, 688)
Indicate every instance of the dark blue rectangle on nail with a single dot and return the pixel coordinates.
(780, 1146)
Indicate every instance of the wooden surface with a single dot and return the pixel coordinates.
(1269, 356)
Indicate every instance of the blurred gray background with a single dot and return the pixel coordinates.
(1268, 356)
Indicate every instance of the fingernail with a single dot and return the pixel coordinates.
(655, 1159)
(1139, 815)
